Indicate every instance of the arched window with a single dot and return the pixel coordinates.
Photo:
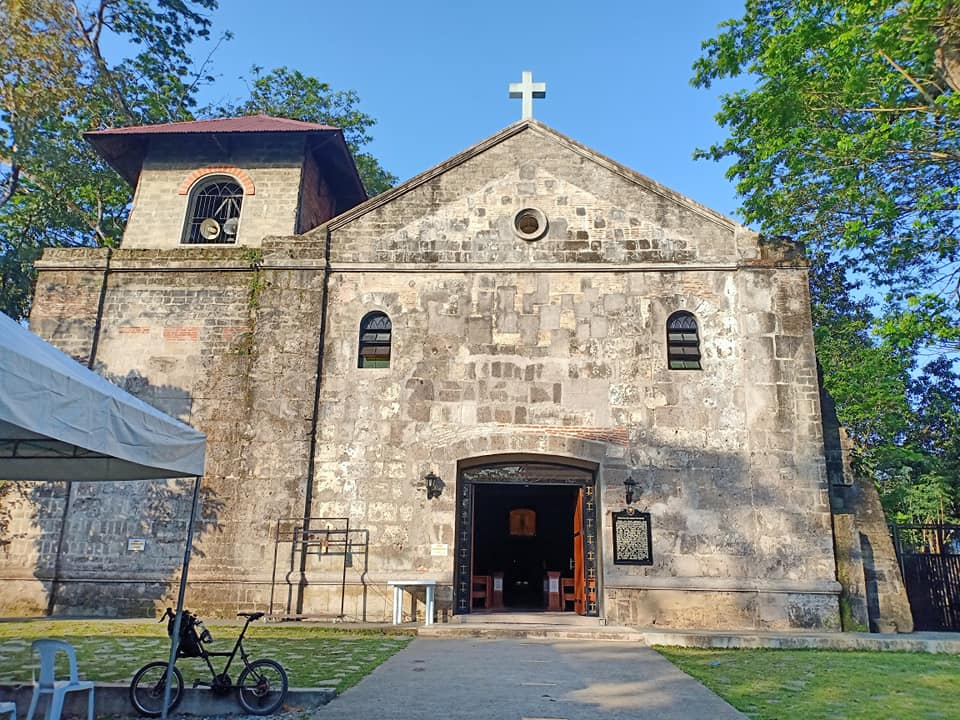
(214, 211)
(375, 331)
(683, 342)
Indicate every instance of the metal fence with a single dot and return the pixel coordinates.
(929, 557)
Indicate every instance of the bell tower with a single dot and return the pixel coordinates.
(230, 181)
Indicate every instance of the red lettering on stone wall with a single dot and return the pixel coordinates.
(181, 334)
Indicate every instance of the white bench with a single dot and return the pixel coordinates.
(398, 588)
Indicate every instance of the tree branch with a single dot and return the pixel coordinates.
(12, 184)
(200, 71)
(920, 89)
(92, 37)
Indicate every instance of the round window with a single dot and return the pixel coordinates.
(530, 224)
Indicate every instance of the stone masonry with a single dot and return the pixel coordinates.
(502, 347)
(272, 170)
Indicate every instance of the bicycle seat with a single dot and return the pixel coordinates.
(252, 616)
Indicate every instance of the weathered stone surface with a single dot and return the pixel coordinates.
(501, 347)
(867, 565)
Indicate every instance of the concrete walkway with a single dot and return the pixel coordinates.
(470, 678)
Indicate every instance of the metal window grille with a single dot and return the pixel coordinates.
(375, 332)
(219, 201)
(683, 342)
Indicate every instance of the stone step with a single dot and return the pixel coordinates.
(925, 642)
(511, 617)
(520, 631)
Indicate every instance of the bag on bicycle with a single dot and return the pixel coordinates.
(192, 633)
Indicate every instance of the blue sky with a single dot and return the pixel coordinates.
(435, 74)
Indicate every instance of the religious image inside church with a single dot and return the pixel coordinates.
(528, 380)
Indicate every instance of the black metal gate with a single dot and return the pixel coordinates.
(929, 557)
(530, 473)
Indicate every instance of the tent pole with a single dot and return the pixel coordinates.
(175, 639)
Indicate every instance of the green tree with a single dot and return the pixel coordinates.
(57, 82)
(867, 379)
(905, 423)
(291, 94)
(848, 138)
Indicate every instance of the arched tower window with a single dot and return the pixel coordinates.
(214, 211)
(375, 332)
(683, 342)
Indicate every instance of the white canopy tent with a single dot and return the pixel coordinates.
(61, 421)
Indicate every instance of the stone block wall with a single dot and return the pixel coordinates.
(67, 298)
(177, 330)
(317, 201)
(874, 594)
(498, 336)
(272, 164)
(736, 485)
(501, 347)
(597, 212)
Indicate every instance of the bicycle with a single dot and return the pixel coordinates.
(262, 684)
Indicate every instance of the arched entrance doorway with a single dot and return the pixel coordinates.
(526, 529)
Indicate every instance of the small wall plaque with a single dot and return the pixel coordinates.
(439, 550)
(136, 544)
(632, 541)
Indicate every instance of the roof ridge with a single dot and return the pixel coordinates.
(259, 122)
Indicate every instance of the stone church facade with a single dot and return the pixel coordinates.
(531, 323)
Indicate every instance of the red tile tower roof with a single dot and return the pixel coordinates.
(126, 147)
(247, 124)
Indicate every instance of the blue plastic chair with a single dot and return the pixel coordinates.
(9, 708)
(49, 685)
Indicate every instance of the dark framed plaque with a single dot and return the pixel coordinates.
(632, 539)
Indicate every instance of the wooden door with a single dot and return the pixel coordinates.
(579, 577)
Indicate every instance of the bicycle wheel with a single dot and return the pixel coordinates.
(146, 689)
(262, 686)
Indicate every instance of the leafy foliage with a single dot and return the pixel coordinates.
(906, 424)
(848, 141)
(922, 484)
(57, 82)
(291, 94)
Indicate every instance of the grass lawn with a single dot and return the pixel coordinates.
(813, 684)
(114, 651)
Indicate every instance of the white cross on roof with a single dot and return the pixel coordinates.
(527, 90)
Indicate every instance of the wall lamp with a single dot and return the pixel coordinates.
(631, 485)
(434, 485)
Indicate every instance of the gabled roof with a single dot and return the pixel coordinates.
(125, 148)
(509, 132)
